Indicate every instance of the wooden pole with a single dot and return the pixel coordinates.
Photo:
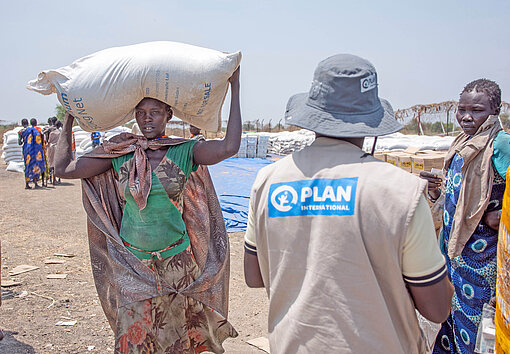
(448, 118)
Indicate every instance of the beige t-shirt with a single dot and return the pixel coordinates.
(422, 262)
(335, 254)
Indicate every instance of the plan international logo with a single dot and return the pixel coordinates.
(313, 197)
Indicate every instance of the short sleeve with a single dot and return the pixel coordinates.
(182, 156)
(422, 264)
(250, 237)
(501, 154)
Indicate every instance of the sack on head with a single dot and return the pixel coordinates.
(101, 90)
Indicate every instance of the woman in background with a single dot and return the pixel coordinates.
(475, 166)
(33, 153)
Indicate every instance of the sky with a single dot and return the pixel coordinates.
(424, 51)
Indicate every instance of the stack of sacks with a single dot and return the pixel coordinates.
(242, 147)
(285, 143)
(112, 132)
(12, 152)
(254, 145)
(83, 139)
(262, 145)
(398, 141)
(251, 145)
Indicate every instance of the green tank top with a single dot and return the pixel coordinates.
(160, 223)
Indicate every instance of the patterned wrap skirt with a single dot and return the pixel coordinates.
(171, 323)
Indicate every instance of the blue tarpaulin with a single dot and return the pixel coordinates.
(233, 179)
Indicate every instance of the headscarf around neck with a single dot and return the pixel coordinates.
(140, 172)
(476, 187)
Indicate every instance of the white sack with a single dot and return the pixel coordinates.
(16, 167)
(8, 159)
(86, 144)
(13, 153)
(102, 89)
(11, 148)
(11, 140)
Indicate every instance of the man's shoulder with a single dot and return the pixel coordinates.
(276, 167)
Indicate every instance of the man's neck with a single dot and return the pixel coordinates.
(355, 141)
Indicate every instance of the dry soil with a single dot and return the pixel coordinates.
(36, 224)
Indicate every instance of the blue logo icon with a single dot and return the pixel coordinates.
(313, 197)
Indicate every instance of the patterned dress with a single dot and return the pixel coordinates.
(33, 154)
(46, 172)
(169, 323)
(472, 273)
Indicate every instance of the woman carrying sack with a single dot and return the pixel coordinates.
(159, 248)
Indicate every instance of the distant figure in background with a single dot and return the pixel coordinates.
(196, 133)
(95, 137)
(48, 129)
(46, 135)
(52, 145)
(46, 173)
(33, 154)
(24, 124)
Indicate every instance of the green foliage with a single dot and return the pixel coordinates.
(60, 112)
(435, 128)
(505, 121)
(247, 126)
(411, 127)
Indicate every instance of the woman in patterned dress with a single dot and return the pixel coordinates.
(473, 191)
(33, 153)
(153, 229)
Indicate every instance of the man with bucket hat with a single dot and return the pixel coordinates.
(344, 243)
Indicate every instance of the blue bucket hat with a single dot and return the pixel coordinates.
(343, 101)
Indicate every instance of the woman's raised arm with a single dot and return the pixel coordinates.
(213, 151)
(83, 167)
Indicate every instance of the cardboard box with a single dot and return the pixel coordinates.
(380, 156)
(412, 160)
(392, 157)
(404, 161)
(412, 150)
(425, 162)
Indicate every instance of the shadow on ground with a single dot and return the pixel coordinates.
(11, 345)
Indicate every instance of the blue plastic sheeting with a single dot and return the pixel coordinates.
(233, 179)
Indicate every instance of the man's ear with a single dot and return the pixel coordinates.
(170, 113)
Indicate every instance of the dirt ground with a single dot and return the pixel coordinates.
(35, 225)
